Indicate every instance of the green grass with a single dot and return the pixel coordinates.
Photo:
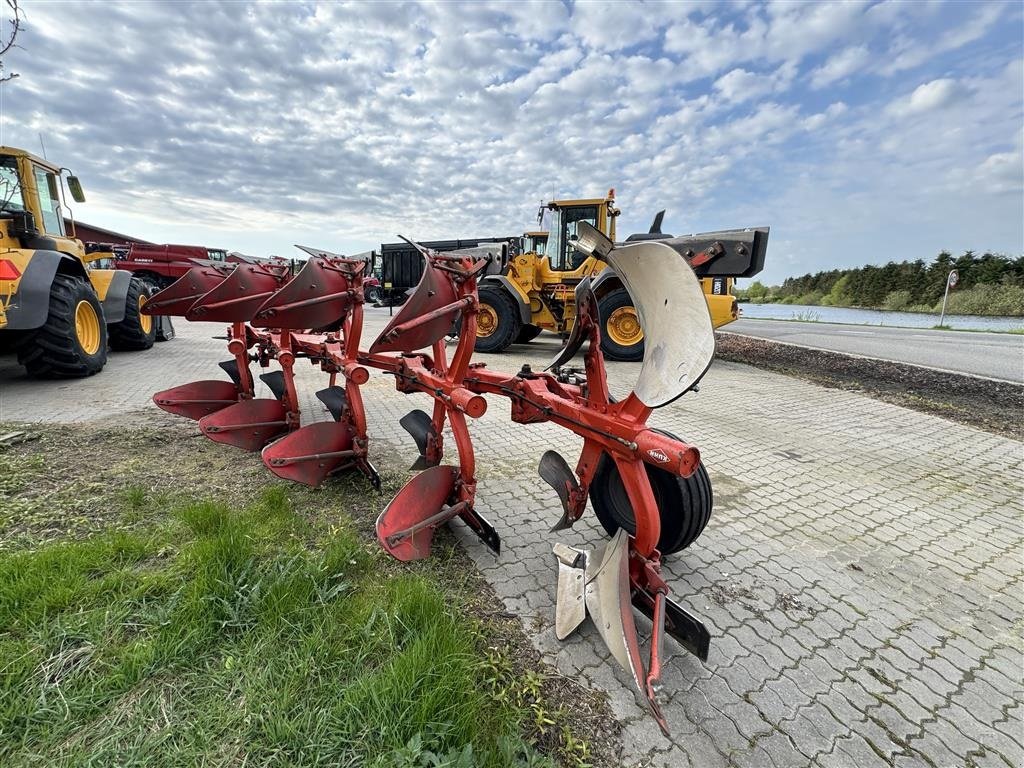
(244, 637)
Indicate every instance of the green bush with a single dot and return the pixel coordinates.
(1002, 299)
(897, 301)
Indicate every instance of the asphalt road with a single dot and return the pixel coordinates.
(995, 355)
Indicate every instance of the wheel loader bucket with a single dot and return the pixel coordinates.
(406, 526)
(177, 298)
(308, 455)
(198, 398)
(237, 298)
(679, 341)
(248, 424)
(316, 297)
(433, 292)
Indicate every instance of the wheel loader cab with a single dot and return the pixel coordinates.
(534, 242)
(565, 219)
(31, 195)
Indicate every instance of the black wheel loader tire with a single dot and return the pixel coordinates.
(527, 334)
(372, 295)
(72, 344)
(498, 313)
(610, 308)
(157, 282)
(137, 331)
(10, 341)
(684, 503)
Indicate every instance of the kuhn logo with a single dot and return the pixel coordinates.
(658, 455)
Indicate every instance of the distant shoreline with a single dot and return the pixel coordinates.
(872, 309)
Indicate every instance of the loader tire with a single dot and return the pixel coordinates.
(10, 341)
(684, 503)
(72, 344)
(622, 338)
(497, 320)
(527, 334)
(137, 331)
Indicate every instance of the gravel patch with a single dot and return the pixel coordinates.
(991, 405)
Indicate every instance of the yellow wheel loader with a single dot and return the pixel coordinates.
(58, 311)
(536, 290)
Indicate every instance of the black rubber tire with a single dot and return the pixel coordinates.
(158, 282)
(129, 335)
(372, 294)
(527, 334)
(613, 351)
(54, 351)
(10, 341)
(507, 314)
(684, 503)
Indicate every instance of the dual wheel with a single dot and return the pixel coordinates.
(73, 341)
(499, 324)
(684, 503)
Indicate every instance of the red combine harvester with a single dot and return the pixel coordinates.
(663, 497)
(161, 265)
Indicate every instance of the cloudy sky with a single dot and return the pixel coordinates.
(860, 131)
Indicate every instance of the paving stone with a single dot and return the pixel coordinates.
(802, 640)
(852, 752)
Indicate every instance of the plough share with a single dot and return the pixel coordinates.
(648, 488)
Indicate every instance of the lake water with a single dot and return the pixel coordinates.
(877, 317)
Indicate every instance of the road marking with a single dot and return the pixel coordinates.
(857, 333)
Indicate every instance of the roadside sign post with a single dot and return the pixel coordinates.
(951, 281)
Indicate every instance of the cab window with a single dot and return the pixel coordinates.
(10, 187)
(216, 255)
(49, 201)
(571, 259)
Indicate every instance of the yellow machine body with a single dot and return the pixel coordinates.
(543, 277)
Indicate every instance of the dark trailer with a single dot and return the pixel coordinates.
(401, 265)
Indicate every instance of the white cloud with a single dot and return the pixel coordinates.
(908, 53)
(257, 125)
(845, 63)
(928, 97)
(740, 85)
(817, 120)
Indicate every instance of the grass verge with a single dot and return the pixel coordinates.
(152, 625)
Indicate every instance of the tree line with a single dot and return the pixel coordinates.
(989, 284)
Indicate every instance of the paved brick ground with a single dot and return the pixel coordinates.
(861, 575)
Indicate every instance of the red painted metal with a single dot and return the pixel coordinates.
(310, 454)
(248, 424)
(177, 299)
(427, 316)
(406, 526)
(238, 295)
(197, 399)
(319, 295)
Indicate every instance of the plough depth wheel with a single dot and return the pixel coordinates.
(684, 503)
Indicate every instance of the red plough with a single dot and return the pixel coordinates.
(648, 488)
(327, 294)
